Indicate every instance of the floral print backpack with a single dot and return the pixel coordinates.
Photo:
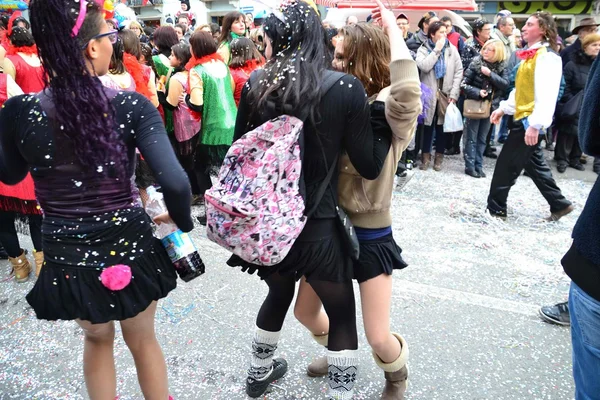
(256, 209)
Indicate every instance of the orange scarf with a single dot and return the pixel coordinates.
(134, 68)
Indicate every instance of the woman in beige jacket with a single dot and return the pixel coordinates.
(440, 68)
(364, 52)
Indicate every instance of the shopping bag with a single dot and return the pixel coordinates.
(453, 121)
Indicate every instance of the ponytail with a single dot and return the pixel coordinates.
(83, 110)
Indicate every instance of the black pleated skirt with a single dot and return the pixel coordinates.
(76, 251)
(378, 256)
(318, 254)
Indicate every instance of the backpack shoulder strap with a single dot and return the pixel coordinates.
(330, 79)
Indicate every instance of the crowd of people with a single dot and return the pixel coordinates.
(96, 109)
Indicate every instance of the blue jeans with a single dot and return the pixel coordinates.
(503, 128)
(476, 131)
(585, 336)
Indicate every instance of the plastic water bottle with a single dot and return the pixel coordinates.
(179, 246)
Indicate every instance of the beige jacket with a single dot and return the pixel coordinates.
(367, 202)
(426, 60)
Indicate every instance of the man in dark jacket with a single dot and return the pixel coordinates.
(582, 261)
(421, 36)
(585, 27)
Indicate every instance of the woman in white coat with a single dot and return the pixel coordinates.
(440, 68)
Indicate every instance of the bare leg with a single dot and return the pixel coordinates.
(308, 310)
(139, 336)
(375, 297)
(98, 360)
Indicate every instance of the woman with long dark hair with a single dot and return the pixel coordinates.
(337, 121)
(102, 262)
(245, 58)
(388, 72)
(164, 39)
(234, 27)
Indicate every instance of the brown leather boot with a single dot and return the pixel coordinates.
(396, 373)
(39, 261)
(319, 367)
(21, 267)
(425, 161)
(439, 159)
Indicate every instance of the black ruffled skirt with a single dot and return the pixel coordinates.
(76, 251)
(379, 256)
(318, 254)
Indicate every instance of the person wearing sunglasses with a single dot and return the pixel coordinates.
(102, 262)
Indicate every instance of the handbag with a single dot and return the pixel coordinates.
(570, 110)
(477, 109)
(442, 103)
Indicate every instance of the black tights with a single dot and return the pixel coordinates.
(8, 233)
(337, 298)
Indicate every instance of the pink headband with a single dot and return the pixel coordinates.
(80, 18)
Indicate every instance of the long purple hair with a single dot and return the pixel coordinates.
(83, 110)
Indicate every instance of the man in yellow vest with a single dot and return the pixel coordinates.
(532, 105)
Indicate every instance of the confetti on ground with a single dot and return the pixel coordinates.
(465, 341)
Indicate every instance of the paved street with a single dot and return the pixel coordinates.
(467, 306)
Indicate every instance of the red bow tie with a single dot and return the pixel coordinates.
(527, 54)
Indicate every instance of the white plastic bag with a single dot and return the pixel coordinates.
(453, 121)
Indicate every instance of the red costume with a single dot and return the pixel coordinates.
(19, 198)
(30, 79)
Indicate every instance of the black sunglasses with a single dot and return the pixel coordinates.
(112, 36)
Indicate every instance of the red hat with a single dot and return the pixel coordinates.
(402, 15)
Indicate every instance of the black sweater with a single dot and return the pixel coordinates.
(345, 124)
(64, 188)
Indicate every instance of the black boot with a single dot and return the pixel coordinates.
(3, 253)
(489, 153)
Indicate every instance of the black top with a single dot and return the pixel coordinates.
(29, 142)
(567, 54)
(346, 122)
(576, 75)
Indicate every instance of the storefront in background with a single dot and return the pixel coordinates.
(566, 13)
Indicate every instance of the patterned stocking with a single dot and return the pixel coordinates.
(343, 367)
(263, 348)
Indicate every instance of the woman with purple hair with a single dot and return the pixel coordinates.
(102, 262)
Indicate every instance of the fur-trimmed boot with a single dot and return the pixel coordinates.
(21, 267)
(39, 261)
(319, 367)
(396, 373)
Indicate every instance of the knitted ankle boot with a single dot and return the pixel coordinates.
(396, 373)
(343, 368)
(319, 367)
(21, 267)
(263, 368)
